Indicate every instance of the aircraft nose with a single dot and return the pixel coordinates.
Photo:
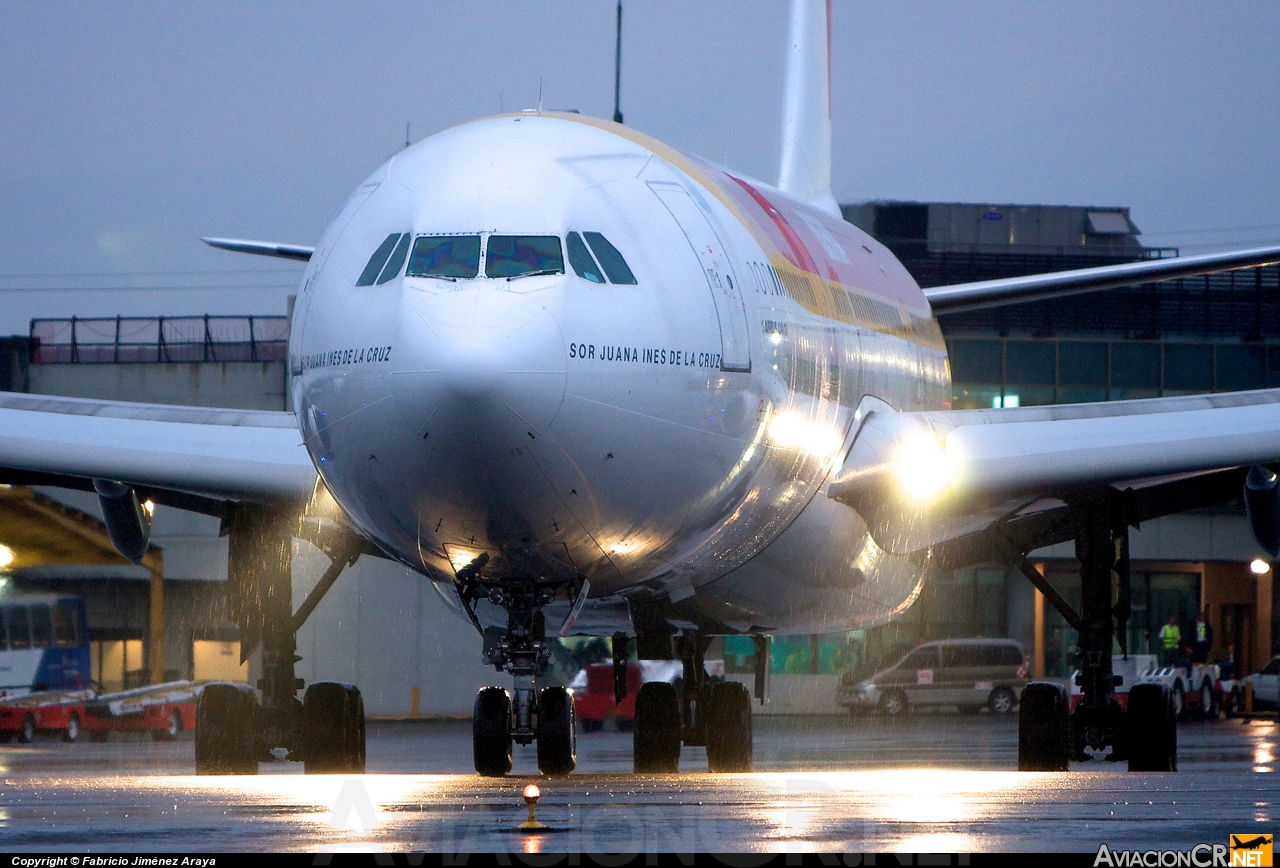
(479, 356)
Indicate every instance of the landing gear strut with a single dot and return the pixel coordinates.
(234, 731)
(1145, 734)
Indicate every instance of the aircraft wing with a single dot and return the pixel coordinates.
(1011, 290)
(921, 478)
(236, 455)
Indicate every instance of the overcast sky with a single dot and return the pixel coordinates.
(128, 130)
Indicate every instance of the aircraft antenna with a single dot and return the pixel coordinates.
(539, 94)
(617, 70)
(406, 134)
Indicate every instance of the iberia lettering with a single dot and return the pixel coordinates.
(349, 356)
(644, 355)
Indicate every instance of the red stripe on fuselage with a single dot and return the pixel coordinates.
(800, 257)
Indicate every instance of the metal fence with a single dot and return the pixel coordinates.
(115, 340)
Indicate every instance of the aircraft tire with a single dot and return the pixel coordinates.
(1044, 731)
(333, 734)
(1152, 729)
(491, 732)
(557, 739)
(656, 738)
(729, 737)
(226, 743)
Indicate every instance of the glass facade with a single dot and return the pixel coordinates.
(1023, 372)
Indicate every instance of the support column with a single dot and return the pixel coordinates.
(155, 563)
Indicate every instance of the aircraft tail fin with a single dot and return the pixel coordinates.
(805, 173)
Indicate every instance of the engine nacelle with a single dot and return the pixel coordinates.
(128, 521)
(1262, 503)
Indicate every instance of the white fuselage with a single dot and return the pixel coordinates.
(666, 440)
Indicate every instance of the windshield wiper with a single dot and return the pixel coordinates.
(537, 273)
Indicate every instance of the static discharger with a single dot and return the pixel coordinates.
(531, 795)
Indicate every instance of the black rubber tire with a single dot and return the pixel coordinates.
(1151, 729)
(1178, 700)
(27, 733)
(557, 739)
(491, 732)
(1001, 701)
(332, 729)
(729, 736)
(656, 739)
(1044, 732)
(72, 733)
(226, 730)
(7, 736)
(894, 704)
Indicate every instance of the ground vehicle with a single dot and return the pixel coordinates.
(967, 673)
(44, 643)
(1266, 685)
(1195, 689)
(593, 690)
(163, 710)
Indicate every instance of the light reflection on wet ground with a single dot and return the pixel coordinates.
(933, 783)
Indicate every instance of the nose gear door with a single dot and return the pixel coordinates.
(735, 353)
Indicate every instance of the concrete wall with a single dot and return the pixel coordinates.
(245, 385)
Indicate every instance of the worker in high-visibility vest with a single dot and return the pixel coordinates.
(1171, 640)
(1201, 639)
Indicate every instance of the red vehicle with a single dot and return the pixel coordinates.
(593, 703)
(163, 710)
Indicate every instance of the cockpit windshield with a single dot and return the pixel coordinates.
(521, 255)
(447, 256)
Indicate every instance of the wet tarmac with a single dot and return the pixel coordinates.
(935, 783)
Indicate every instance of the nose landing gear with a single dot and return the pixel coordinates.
(545, 716)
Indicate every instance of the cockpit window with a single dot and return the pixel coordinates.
(396, 262)
(580, 259)
(610, 259)
(377, 260)
(522, 255)
(447, 256)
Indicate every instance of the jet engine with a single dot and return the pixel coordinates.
(128, 521)
(1262, 503)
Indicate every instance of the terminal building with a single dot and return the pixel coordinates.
(385, 628)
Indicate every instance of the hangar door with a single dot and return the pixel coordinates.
(735, 354)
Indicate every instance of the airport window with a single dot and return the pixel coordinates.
(377, 260)
(1135, 370)
(520, 255)
(610, 259)
(580, 258)
(4, 633)
(1188, 368)
(447, 256)
(1239, 367)
(1273, 367)
(396, 262)
(19, 629)
(976, 361)
(41, 626)
(1082, 372)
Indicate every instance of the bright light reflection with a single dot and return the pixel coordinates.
(793, 431)
(461, 557)
(6, 556)
(150, 507)
(922, 467)
(1259, 567)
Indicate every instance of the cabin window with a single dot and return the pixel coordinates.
(396, 262)
(19, 630)
(377, 260)
(610, 259)
(523, 255)
(447, 256)
(580, 259)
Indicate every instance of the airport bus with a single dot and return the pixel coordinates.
(44, 644)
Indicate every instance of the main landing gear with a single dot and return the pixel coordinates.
(234, 731)
(704, 712)
(1145, 734)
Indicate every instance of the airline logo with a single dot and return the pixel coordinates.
(1251, 851)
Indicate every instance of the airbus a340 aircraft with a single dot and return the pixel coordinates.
(587, 384)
